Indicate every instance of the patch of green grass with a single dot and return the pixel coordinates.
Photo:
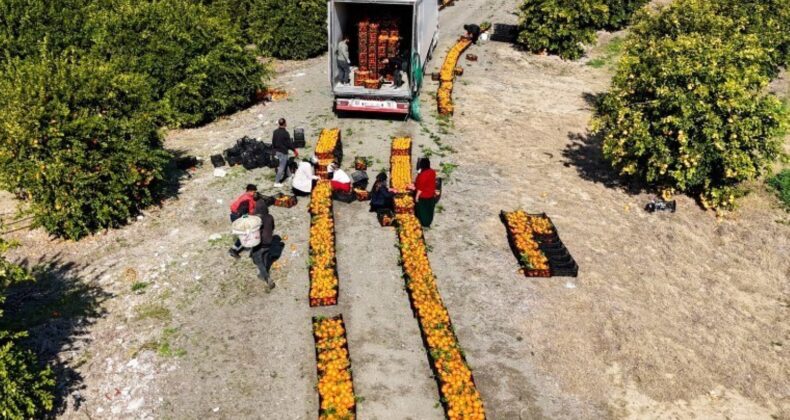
(615, 46)
(610, 53)
(439, 208)
(152, 311)
(349, 131)
(166, 350)
(139, 286)
(163, 346)
(780, 185)
(447, 170)
(597, 63)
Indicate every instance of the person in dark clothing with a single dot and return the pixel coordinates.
(472, 32)
(381, 196)
(244, 204)
(260, 253)
(281, 143)
(396, 66)
(425, 193)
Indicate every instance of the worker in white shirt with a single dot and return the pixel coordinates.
(303, 179)
(340, 179)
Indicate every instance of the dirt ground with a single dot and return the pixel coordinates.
(672, 315)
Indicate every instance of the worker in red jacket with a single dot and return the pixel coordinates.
(425, 193)
(243, 205)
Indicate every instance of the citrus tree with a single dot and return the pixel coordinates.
(79, 141)
(560, 27)
(194, 61)
(291, 29)
(25, 388)
(563, 27)
(688, 110)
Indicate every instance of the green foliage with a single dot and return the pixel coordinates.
(621, 11)
(716, 19)
(688, 110)
(237, 11)
(767, 19)
(286, 29)
(194, 61)
(293, 29)
(86, 85)
(78, 139)
(780, 184)
(560, 26)
(222, 81)
(25, 24)
(563, 27)
(25, 388)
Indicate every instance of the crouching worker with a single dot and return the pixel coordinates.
(304, 179)
(381, 196)
(472, 32)
(244, 204)
(261, 253)
(340, 179)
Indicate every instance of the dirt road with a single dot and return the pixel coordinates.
(672, 316)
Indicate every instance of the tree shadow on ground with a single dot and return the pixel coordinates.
(585, 153)
(592, 99)
(179, 168)
(56, 310)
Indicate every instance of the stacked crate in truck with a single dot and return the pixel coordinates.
(373, 62)
(363, 73)
(376, 42)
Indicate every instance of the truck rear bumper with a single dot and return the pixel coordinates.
(372, 105)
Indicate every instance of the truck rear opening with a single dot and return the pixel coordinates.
(387, 40)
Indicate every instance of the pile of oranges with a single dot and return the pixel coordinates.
(325, 149)
(541, 225)
(334, 370)
(323, 277)
(523, 229)
(401, 143)
(327, 140)
(401, 172)
(457, 387)
(446, 75)
(400, 163)
(321, 198)
(286, 201)
(404, 204)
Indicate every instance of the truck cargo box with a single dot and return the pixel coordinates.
(381, 35)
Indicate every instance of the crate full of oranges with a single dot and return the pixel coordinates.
(336, 396)
(283, 200)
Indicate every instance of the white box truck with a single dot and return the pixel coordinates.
(418, 25)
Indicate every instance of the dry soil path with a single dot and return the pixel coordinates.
(675, 316)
